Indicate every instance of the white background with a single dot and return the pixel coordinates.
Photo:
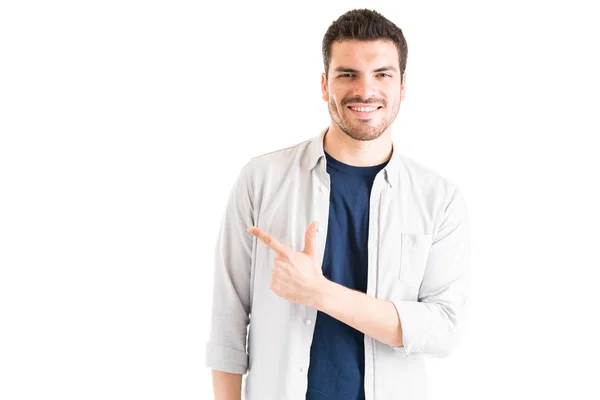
(124, 124)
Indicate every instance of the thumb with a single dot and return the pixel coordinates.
(310, 240)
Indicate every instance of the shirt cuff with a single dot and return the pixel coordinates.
(226, 359)
(413, 326)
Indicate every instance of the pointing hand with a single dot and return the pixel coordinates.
(296, 276)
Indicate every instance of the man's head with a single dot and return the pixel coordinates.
(365, 58)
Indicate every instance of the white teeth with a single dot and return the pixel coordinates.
(364, 109)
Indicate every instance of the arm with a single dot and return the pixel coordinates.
(227, 386)
(298, 277)
(226, 347)
(374, 317)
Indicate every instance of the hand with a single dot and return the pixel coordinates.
(296, 276)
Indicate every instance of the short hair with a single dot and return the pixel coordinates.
(363, 24)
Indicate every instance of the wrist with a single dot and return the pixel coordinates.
(322, 294)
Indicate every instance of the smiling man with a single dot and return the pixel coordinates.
(340, 262)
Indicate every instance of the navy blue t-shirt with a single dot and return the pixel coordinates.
(336, 370)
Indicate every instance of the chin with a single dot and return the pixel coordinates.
(363, 135)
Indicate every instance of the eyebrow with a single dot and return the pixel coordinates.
(386, 68)
(355, 71)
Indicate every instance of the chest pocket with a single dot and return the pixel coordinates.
(413, 257)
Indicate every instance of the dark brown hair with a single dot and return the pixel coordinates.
(365, 25)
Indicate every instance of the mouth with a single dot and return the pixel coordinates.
(364, 110)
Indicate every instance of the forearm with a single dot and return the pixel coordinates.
(374, 317)
(227, 386)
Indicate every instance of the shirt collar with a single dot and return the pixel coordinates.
(315, 152)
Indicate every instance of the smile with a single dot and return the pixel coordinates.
(364, 111)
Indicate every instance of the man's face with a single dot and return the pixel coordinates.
(363, 89)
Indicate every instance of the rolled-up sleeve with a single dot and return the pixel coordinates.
(434, 324)
(226, 348)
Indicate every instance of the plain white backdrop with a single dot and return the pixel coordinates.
(123, 125)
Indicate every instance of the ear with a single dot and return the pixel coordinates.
(324, 92)
(403, 87)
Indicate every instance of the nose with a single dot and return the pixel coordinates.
(364, 87)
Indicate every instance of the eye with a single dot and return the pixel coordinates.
(385, 75)
(346, 76)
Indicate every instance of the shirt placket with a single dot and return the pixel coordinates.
(373, 256)
(319, 211)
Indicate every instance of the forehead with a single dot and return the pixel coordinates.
(353, 53)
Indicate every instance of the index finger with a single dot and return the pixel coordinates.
(270, 241)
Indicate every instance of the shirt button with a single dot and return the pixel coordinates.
(320, 229)
(301, 369)
(308, 322)
(322, 188)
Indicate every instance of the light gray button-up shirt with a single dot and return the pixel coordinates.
(418, 259)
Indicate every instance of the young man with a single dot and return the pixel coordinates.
(346, 261)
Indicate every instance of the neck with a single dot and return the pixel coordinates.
(359, 153)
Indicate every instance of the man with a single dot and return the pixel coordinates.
(340, 262)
